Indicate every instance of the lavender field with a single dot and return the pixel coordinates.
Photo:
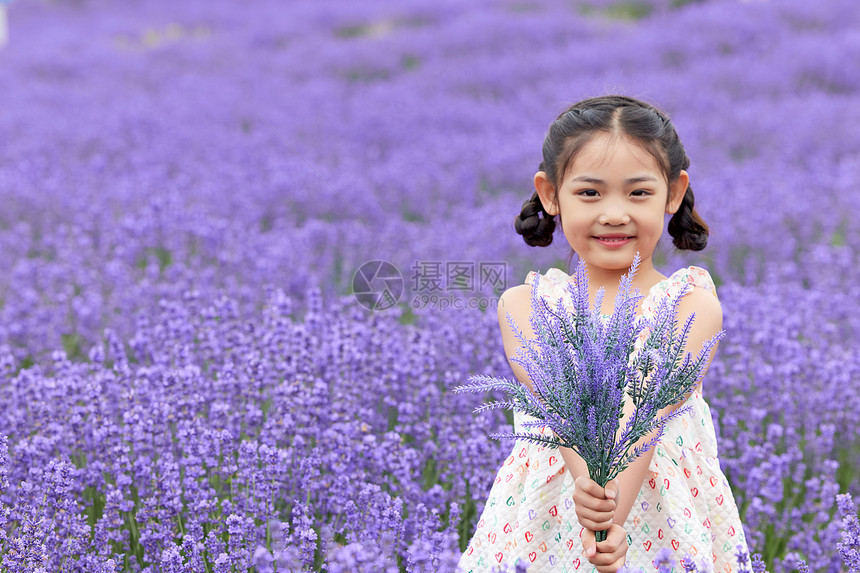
(187, 189)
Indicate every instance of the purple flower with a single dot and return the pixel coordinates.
(663, 560)
(758, 564)
(689, 564)
(849, 547)
(743, 558)
(303, 535)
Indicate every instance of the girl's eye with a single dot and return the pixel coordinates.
(588, 193)
(641, 193)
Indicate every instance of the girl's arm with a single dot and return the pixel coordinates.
(517, 301)
(589, 497)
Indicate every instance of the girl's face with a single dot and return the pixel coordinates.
(612, 201)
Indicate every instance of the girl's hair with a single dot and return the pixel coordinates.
(636, 119)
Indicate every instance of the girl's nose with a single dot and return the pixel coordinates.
(614, 218)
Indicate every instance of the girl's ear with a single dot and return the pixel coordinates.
(546, 193)
(677, 190)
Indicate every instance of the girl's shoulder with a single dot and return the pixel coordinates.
(697, 291)
(516, 300)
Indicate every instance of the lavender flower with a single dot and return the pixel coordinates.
(664, 560)
(689, 564)
(849, 547)
(742, 557)
(758, 564)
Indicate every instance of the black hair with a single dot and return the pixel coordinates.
(648, 126)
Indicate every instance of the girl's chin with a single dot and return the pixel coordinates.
(614, 262)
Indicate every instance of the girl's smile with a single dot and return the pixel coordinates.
(613, 241)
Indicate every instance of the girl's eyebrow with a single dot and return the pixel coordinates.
(590, 179)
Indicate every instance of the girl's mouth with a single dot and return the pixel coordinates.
(613, 240)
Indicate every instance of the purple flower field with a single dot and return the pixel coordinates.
(188, 382)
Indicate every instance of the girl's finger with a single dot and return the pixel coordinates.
(588, 543)
(595, 525)
(611, 489)
(588, 486)
(606, 559)
(582, 499)
(612, 568)
(612, 548)
(595, 516)
(616, 538)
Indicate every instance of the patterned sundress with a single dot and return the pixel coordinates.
(685, 504)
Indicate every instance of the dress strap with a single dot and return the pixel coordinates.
(553, 275)
(695, 276)
(671, 286)
(551, 283)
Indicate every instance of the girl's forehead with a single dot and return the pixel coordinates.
(613, 151)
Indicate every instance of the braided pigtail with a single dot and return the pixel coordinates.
(689, 231)
(536, 230)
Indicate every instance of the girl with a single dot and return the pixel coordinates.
(612, 168)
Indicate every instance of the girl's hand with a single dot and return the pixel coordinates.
(595, 505)
(609, 555)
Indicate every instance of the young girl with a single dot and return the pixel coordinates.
(613, 167)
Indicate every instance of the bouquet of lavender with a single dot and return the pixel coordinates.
(583, 364)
